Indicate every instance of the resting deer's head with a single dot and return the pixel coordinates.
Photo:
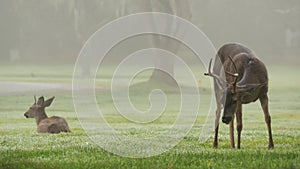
(38, 107)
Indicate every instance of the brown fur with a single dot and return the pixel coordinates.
(44, 123)
(241, 78)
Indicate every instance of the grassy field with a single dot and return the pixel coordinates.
(22, 147)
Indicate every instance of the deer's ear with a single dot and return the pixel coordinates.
(48, 102)
(40, 101)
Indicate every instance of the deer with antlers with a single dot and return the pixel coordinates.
(44, 123)
(239, 78)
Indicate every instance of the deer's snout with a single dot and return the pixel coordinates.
(26, 115)
(226, 120)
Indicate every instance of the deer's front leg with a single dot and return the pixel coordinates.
(231, 128)
(218, 113)
(264, 100)
(239, 125)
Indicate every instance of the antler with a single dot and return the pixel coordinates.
(218, 78)
(235, 75)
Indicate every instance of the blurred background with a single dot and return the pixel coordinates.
(40, 41)
(54, 31)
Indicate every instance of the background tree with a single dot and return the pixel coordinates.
(181, 9)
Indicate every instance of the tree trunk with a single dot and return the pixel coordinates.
(181, 9)
(164, 67)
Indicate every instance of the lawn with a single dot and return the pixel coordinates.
(22, 147)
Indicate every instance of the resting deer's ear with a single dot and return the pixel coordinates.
(40, 101)
(48, 102)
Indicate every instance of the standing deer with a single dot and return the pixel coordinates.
(245, 81)
(44, 123)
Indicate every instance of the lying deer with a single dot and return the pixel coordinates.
(44, 123)
(239, 78)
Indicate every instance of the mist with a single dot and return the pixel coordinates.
(54, 31)
(142, 78)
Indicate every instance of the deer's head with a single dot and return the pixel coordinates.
(230, 104)
(38, 107)
(230, 91)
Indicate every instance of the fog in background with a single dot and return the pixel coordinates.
(55, 30)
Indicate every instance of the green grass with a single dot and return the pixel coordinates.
(22, 147)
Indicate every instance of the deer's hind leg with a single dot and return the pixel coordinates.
(53, 128)
(264, 101)
(66, 128)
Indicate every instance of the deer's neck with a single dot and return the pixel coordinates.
(41, 115)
